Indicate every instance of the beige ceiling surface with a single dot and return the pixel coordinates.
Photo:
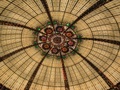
(103, 23)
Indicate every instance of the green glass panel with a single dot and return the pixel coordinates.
(73, 27)
(48, 23)
(55, 22)
(68, 24)
(38, 28)
(79, 38)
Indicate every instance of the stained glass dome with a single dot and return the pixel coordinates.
(59, 44)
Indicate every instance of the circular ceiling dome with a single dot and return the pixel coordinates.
(59, 44)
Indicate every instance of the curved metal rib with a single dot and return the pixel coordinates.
(89, 10)
(45, 5)
(101, 40)
(30, 81)
(64, 74)
(16, 51)
(104, 77)
(2, 22)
